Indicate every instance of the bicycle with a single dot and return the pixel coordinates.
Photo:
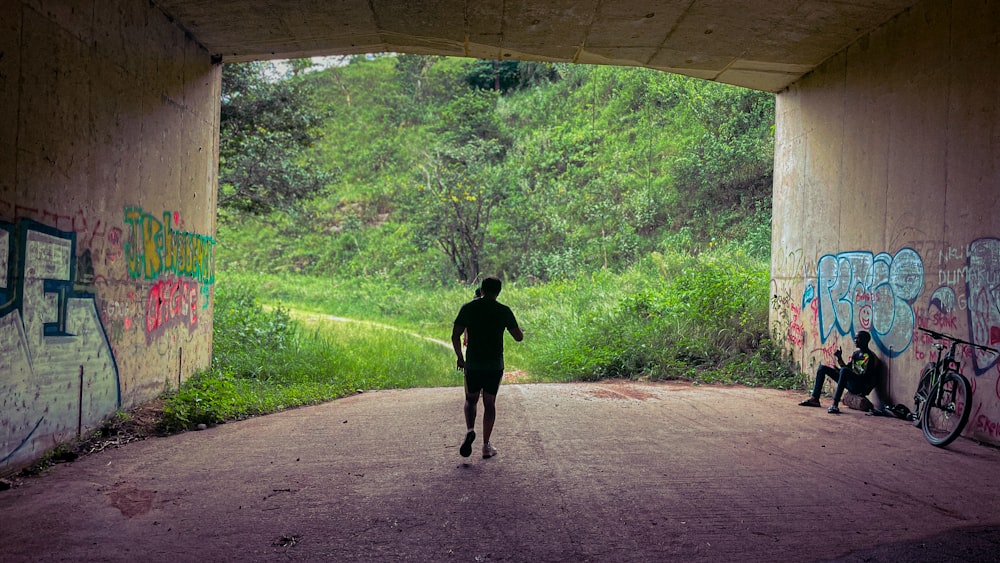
(943, 399)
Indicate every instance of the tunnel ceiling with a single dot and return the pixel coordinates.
(760, 44)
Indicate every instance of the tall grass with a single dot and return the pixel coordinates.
(265, 360)
(676, 315)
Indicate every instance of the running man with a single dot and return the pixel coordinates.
(485, 319)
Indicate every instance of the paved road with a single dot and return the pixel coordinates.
(586, 472)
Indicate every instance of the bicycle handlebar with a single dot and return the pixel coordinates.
(941, 336)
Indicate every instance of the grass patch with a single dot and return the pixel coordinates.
(266, 361)
(675, 316)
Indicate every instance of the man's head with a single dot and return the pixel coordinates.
(491, 287)
(862, 339)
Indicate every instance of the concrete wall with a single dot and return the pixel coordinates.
(108, 149)
(887, 199)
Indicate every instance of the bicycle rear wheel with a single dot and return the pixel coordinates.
(923, 389)
(947, 410)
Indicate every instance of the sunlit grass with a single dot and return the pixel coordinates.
(377, 357)
(674, 316)
(270, 359)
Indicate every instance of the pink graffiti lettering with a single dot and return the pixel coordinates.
(114, 251)
(942, 320)
(171, 302)
(796, 331)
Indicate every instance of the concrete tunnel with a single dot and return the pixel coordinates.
(885, 197)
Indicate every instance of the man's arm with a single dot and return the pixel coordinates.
(456, 342)
(513, 328)
(517, 333)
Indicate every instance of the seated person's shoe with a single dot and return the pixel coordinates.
(833, 409)
(810, 402)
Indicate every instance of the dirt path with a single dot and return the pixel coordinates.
(586, 472)
(315, 317)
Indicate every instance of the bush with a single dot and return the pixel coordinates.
(245, 334)
(675, 316)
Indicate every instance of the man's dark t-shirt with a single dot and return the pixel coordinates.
(486, 320)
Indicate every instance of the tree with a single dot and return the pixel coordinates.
(267, 125)
(505, 76)
(453, 206)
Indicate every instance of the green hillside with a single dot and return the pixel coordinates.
(430, 170)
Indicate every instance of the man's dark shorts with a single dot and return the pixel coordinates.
(486, 380)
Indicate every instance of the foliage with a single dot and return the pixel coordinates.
(675, 316)
(267, 125)
(505, 76)
(563, 170)
(453, 207)
(265, 361)
(239, 320)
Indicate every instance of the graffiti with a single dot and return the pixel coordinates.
(890, 296)
(155, 248)
(171, 302)
(982, 282)
(983, 424)
(57, 370)
(981, 300)
(828, 352)
(119, 315)
(857, 291)
(788, 264)
(114, 251)
(93, 238)
(796, 331)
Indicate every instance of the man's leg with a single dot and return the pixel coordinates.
(489, 416)
(822, 372)
(843, 378)
(491, 387)
(471, 400)
(471, 405)
(842, 382)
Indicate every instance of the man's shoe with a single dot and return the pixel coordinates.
(489, 451)
(810, 402)
(466, 449)
(833, 409)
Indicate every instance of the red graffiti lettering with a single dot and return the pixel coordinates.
(796, 332)
(983, 424)
(172, 302)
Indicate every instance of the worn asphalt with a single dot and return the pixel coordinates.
(614, 471)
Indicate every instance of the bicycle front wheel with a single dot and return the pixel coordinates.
(947, 410)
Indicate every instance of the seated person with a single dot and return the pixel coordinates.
(859, 375)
